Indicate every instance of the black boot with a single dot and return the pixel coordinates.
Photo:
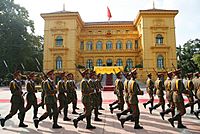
(56, 126)
(65, 115)
(180, 124)
(21, 124)
(36, 122)
(162, 114)
(122, 113)
(89, 126)
(175, 118)
(2, 120)
(81, 117)
(192, 109)
(137, 126)
(150, 110)
(196, 113)
(145, 104)
(124, 119)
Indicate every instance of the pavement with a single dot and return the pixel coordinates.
(152, 123)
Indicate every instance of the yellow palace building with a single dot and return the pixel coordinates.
(147, 42)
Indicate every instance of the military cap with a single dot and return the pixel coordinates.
(160, 74)
(177, 71)
(196, 74)
(170, 73)
(134, 71)
(149, 74)
(92, 73)
(32, 74)
(16, 73)
(189, 74)
(62, 74)
(83, 73)
(50, 72)
(68, 74)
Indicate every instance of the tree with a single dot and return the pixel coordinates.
(17, 39)
(185, 56)
(196, 59)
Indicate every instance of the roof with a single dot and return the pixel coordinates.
(158, 10)
(59, 12)
(109, 23)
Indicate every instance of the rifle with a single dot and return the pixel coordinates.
(39, 68)
(155, 71)
(122, 72)
(78, 69)
(173, 66)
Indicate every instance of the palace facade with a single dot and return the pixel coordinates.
(147, 42)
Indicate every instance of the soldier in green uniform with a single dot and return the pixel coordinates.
(159, 88)
(178, 88)
(150, 87)
(86, 100)
(17, 100)
(50, 101)
(196, 82)
(75, 99)
(31, 98)
(128, 77)
(71, 92)
(169, 94)
(190, 88)
(197, 92)
(119, 88)
(134, 91)
(44, 78)
(99, 93)
(62, 97)
(94, 95)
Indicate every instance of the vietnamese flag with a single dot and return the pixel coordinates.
(109, 13)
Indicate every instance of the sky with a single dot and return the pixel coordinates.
(187, 22)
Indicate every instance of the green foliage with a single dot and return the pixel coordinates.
(18, 44)
(196, 59)
(185, 56)
(139, 66)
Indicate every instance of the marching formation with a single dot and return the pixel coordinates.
(174, 88)
(126, 92)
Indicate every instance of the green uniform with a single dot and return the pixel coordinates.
(42, 94)
(50, 101)
(168, 90)
(94, 97)
(134, 91)
(31, 98)
(149, 89)
(178, 88)
(119, 88)
(86, 97)
(159, 87)
(190, 89)
(17, 103)
(99, 94)
(62, 98)
(126, 91)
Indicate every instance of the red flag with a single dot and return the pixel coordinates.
(108, 13)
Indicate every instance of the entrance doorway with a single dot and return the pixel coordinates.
(109, 62)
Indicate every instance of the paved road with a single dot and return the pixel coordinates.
(110, 125)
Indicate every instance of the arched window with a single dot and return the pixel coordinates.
(99, 62)
(59, 41)
(129, 44)
(160, 62)
(58, 63)
(99, 45)
(89, 63)
(129, 62)
(136, 44)
(109, 45)
(82, 45)
(89, 45)
(119, 62)
(119, 45)
(109, 62)
(159, 39)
